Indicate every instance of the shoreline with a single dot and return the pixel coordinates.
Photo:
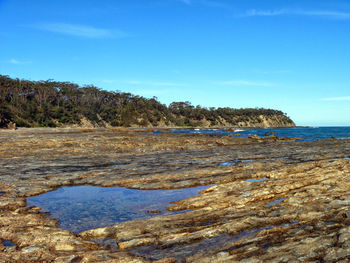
(170, 127)
(277, 192)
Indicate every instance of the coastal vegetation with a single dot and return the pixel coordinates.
(55, 104)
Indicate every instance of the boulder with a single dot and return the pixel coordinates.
(12, 126)
(6, 124)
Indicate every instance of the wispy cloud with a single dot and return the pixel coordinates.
(155, 83)
(245, 83)
(255, 12)
(18, 62)
(81, 30)
(327, 14)
(209, 3)
(345, 98)
(311, 13)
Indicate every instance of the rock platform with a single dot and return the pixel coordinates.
(271, 199)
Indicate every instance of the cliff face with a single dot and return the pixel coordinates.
(268, 121)
(259, 121)
(276, 121)
(53, 104)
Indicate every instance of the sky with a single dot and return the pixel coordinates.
(290, 55)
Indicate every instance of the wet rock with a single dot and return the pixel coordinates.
(271, 138)
(230, 221)
(154, 211)
(255, 137)
(68, 259)
(11, 202)
(269, 133)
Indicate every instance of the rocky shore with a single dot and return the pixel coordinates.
(270, 199)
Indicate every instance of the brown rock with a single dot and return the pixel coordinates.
(12, 126)
(293, 208)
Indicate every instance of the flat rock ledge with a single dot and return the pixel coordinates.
(268, 199)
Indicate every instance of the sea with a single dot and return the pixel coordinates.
(303, 133)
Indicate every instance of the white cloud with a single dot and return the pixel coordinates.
(327, 14)
(254, 12)
(18, 62)
(81, 30)
(245, 83)
(345, 98)
(209, 3)
(14, 61)
(312, 13)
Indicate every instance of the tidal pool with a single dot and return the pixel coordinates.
(79, 208)
(7, 243)
(255, 180)
(235, 162)
(276, 202)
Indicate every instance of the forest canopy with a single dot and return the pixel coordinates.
(53, 104)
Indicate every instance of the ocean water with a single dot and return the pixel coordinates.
(305, 134)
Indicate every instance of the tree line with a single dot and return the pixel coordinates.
(53, 104)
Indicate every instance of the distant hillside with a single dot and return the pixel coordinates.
(54, 104)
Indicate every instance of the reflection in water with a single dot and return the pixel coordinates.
(276, 202)
(79, 208)
(255, 180)
(7, 243)
(337, 159)
(235, 162)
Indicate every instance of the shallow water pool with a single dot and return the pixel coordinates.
(7, 243)
(79, 208)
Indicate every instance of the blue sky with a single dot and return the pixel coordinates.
(280, 54)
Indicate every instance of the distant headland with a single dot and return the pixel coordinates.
(25, 103)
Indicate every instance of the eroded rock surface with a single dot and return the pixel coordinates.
(274, 199)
